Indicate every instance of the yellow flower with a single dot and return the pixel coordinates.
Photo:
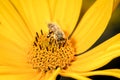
(21, 19)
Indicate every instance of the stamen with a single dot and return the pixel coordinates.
(47, 48)
(52, 50)
(49, 53)
(50, 42)
(35, 44)
(64, 44)
(59, 45)
(37, 34)
(41, 32)
(40, 47)
(36, 39)
(48, 68)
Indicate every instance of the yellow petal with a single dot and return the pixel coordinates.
(9, 58)
(65, 13)
(39, 76)
(50, 75)
(8, 69)
(54, 75)
(92, 25)
(10, 52)
(11, 24)
(97, 57)
(9, 37)
(35, 13)
(109, 72)
(27, 76)
(74, 75)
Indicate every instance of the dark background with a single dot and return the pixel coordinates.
(112, 29)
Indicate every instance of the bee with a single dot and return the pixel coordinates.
(55, 32)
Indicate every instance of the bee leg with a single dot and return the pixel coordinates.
(49, 34)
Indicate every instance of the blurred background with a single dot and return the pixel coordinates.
(112, 29)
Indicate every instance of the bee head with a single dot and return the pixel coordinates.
(52, 27)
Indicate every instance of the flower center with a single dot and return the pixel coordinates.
(49, 51)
